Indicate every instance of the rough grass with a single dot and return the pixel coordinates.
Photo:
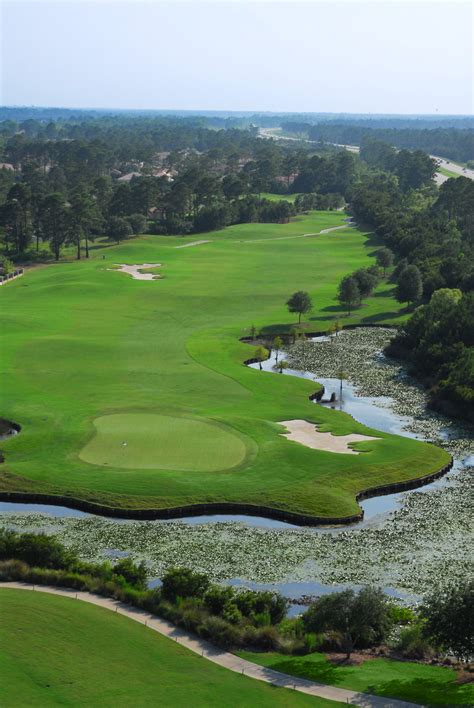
(150, 441)
(418, 683)
(59, 651)
(79, 342)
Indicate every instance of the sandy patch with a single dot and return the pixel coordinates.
(134, 270)
(193, 243)
(307, 434)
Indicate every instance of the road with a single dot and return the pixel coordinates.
(442, 161)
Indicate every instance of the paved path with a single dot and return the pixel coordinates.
(287, 238)
(223, 658)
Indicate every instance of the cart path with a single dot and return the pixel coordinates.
(216, 655)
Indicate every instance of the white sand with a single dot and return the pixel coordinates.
(193, 243)
(134, 270)
(307, 434)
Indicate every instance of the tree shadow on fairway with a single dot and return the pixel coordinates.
(275, 329)
(321, 671)
(385, 293)
(381, 316)
(428, 691)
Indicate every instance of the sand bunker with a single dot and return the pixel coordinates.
(307, 434)
(134, 270)
(193, 243)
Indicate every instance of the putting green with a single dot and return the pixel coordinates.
(151, 441)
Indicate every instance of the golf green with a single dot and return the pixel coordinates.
(57, 651)
(151, 441)
(81, 344)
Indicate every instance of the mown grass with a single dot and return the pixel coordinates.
(409, 681)
(147, 441)
(79, 342)
(60, 651)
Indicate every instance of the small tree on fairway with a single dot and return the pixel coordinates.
(384, 258)
(253, 331)
(362, 619)
(349, 293)
(300, 302)
(277, 343)
(410, 285)
(261, 354)
(118, 228)
(450, 620)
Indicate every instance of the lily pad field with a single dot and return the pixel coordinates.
(133, 394)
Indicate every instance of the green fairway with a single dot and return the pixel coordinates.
(58, 651)
(150, 441)
(82, 345)
(419, 683)
(272, 197)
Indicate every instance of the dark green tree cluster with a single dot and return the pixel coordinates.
(438, 342)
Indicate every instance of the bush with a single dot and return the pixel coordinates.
(412, 642)
(13, 570)
(35, 549)
(133, 573)
(182, 582)
(220, 632)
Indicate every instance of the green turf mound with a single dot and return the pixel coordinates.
(152, 441)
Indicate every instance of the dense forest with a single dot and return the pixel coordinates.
(68, 182)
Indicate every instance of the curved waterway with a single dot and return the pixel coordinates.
(406, 542)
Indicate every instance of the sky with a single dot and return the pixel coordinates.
(396, 56)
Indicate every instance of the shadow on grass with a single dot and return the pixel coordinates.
(425, 691)
(381, 316)
(321, 671)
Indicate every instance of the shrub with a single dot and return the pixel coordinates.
(412, 642)
(13, 570)
(217, 597)
(220, 632)
(35, 549)
(133, 573)
(182, 582)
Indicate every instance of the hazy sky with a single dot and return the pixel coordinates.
(384, 57)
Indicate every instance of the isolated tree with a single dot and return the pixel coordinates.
(282, 364)
(300, 302)
(384, 258)
(277, 344)
(349, 293)
(449, 618)
(410, 285)
(118, 228)
(83, 217)
(261, 354)
(361, 620)
(53, 220)
(366, 280)
(138, 223)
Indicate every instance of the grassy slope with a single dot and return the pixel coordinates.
(81, 342)
(418, 683)
(448, 173)
(58, 651)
